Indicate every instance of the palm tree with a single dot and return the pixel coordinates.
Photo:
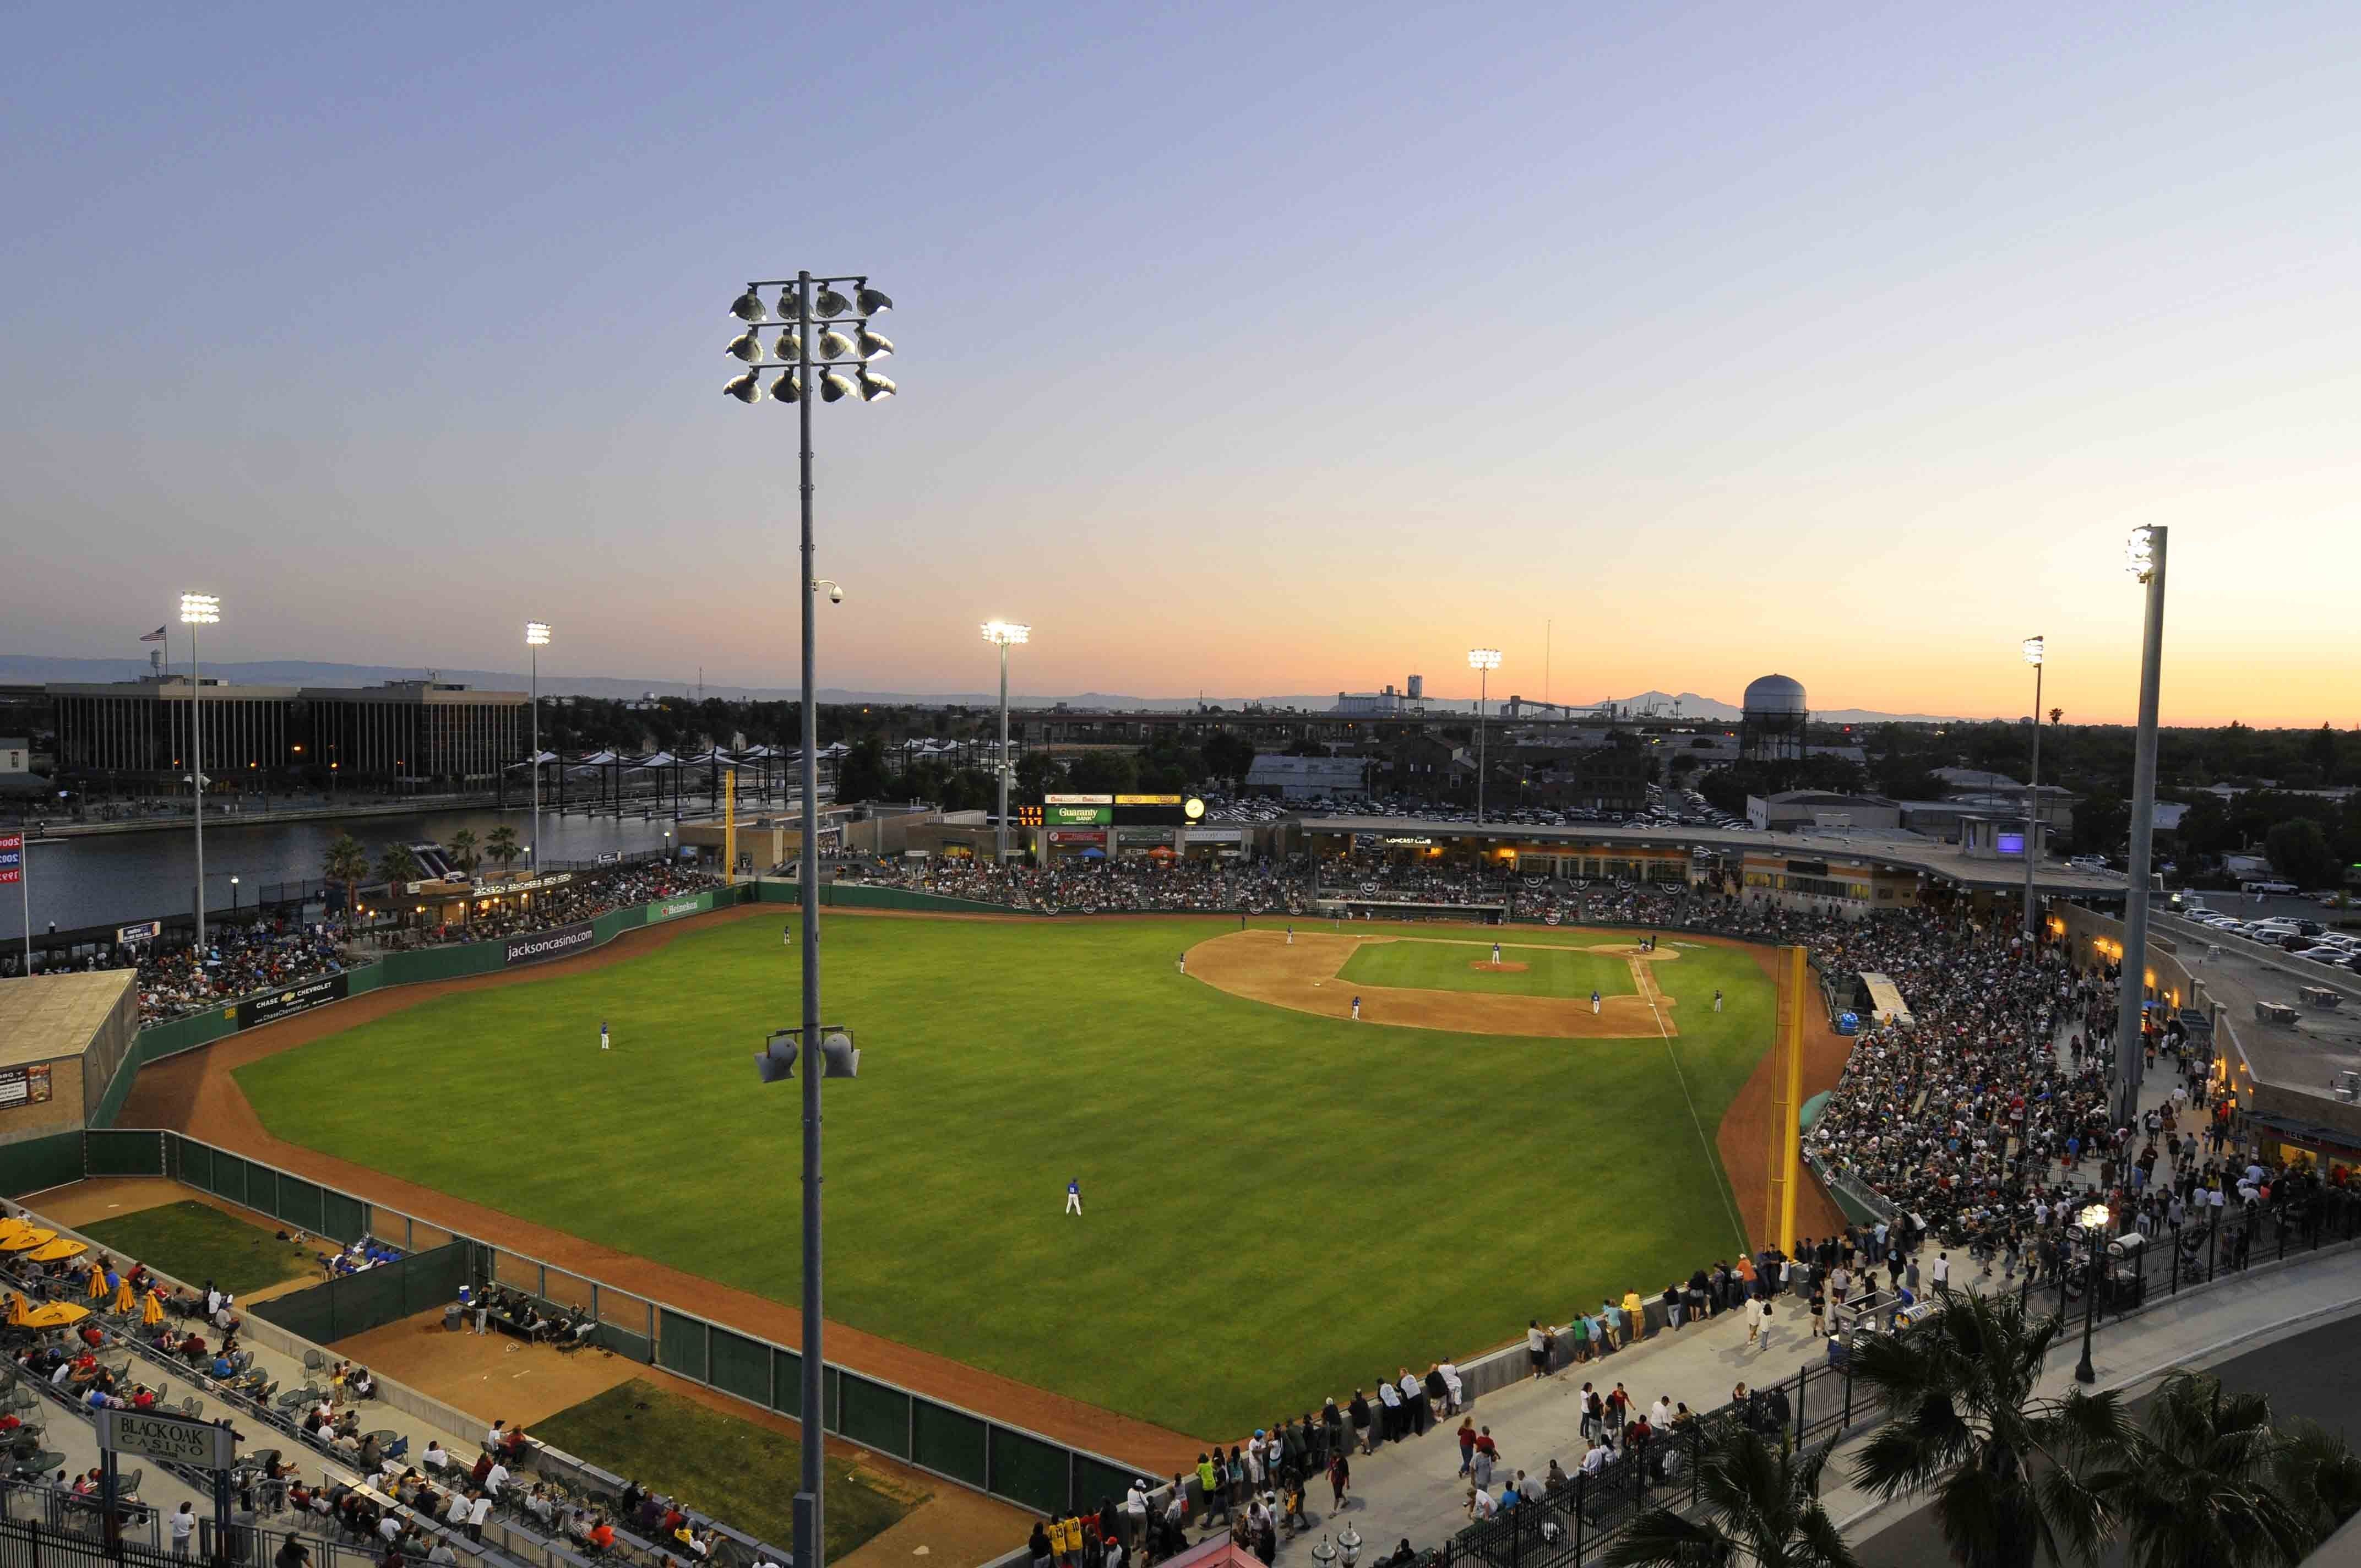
(2321, 1473)
(1966, 1424)
(2213, 1485)
(395, 863)
(501, 845)
(1756, 1501)
(464, 854)
(346, 862)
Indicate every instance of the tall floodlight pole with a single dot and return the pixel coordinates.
(1006, 634)
(2036, 650)
(1482, 661)
(198, 610)
(536, 638)
(2146, 557)
(845, 343)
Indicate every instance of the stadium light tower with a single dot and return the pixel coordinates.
(1006, 634)
(2145, 557)
(2036, 651)
(1482, 661)
(845, 343)
(198, 610)
(536, 638)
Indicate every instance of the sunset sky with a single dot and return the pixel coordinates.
(1243, 349)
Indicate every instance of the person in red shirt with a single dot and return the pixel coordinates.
(601, 1535)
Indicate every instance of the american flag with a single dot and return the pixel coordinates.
(155, 636)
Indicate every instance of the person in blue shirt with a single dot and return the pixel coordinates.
(1074, 1196)
(1594, 1003)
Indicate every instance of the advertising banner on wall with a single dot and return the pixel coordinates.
(294, 999)
(25, 1085)
(674, 908)
(555, 944)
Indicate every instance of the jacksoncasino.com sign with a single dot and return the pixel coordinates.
(541, 945)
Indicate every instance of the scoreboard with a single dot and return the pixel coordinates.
(1114, 811)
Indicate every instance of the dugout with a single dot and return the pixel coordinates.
(62, 1036)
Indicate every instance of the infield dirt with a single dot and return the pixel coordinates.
(1303, 974)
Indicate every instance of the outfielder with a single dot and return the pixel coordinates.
(1074, 1196)
(602, 1034)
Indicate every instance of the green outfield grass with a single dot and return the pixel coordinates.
(1442, 963)
(1278, 1206)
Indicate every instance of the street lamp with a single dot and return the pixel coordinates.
(536, 638)
(1482, 661)
(2145, 555)
(804, 303)
(1004, 634)
(2093, 1220)
(232, 898)
(198, 610)
(2036, 650)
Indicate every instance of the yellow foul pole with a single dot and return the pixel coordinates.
(730, 827)
(1785, 1143)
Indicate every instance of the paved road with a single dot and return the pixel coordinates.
(2315, 1374)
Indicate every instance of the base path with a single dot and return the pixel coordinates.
(1304, 975)
(194, 1093)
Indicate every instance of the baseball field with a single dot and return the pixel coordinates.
(1279, 1201)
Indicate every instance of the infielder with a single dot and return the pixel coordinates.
(1357, 1009)
(1184, 963)
(1593, 1004)
(1495, 955)
(1074, 1196)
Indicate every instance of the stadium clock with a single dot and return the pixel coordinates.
(1193, 808)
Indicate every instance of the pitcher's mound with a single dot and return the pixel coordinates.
(1484, 967)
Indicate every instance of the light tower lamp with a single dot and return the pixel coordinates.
(198, 610)
(1004, 634)
(1482, 661)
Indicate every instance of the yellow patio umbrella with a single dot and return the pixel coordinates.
(124, 1298)
(11, 1225)
(151, 1310)
(26, 1239)
(97, 1282)
(57, 1249)
(56, 1315)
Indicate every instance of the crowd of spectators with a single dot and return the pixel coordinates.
(267, 953)
(1107, 887)
(237, 960)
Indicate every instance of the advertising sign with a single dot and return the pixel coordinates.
(1078, 800)
(25, 1085)
(553, 944)
(1145, 835)
(12, 858)
(146, 931)
(294, 999)
(1217, 834)
(673, 908)
(170, 1440)
(1147, 800)
(1070, 836)
(1077, 815)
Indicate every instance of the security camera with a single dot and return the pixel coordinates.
(835, 594)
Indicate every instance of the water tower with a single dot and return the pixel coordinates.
(1774, 716)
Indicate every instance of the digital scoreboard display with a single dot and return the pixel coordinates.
(1118, 810)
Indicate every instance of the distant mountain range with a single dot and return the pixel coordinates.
(312, 673)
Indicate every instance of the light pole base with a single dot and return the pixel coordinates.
(2086, 1372)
